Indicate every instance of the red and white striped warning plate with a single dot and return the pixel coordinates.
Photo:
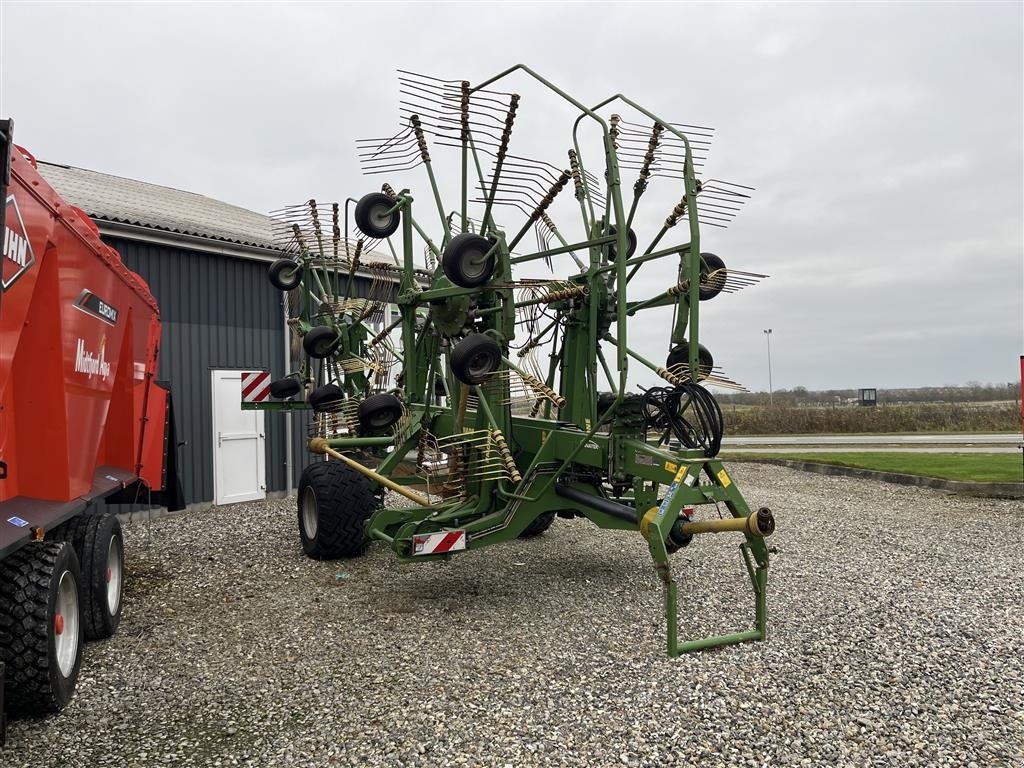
(255, 386)
(438, 543)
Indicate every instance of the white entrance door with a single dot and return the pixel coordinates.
(239, 444)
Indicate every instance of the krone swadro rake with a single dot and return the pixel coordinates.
(506, 398)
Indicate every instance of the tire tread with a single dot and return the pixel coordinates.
(25, 579)
(345, 502)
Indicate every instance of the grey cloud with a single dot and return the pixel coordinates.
(884, 140)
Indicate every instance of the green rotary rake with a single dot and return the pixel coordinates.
(494, 401)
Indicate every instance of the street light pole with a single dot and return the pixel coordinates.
(768, 338)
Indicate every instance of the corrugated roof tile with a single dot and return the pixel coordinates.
(117, 199)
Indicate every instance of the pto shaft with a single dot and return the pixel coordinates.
(319, 445)
(760, 524)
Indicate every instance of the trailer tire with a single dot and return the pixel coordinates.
(334, 504)
(40, 638)
(372, 215)
(285, 274)
(538, 526)
(321, 342)
(475, 358)
(99, 545)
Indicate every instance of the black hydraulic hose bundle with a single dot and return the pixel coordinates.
(690, 412)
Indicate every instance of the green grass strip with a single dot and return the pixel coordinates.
(965, 467)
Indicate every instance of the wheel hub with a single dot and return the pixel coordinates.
(309, 513)
(65, 624)
(113, 576)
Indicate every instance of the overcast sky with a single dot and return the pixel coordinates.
(884, 141)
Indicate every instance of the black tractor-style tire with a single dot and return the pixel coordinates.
(711, 284)
(282, 389)
(463, 260)
(378, 412)
(321, 342)
(285, 274)
(475, 358)
(99, 546)
(334, 504)
(538, 526)
(680, 355)
(372, 215)
(326, 397)
(630, 243)
(31, 580)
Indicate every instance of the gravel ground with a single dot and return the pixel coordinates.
(895, 625)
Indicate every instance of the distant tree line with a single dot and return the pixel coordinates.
(785, 419)
(973, 392)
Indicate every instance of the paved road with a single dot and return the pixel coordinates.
(930, 442)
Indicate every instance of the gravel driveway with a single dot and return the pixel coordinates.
(895, 620)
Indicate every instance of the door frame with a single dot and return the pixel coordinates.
(261, 493)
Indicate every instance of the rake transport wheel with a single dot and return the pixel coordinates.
(99, 545)
(285, 274)
(320, 342)
(463, 260)
(475, 358)
(335, 502)
(40, 628)
(374, 216)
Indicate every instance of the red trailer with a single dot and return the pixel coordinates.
(82, 419)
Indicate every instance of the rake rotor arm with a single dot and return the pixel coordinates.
(579, 105)
(650, 253)
(660, 370)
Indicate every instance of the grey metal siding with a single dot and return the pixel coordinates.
(218, 313)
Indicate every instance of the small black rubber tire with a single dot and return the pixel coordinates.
(538, 526)
(321, 342)
(378, 412)
(680, 355)
(92, 534)
(459, 255)
(282, 389)
(709, 288)
(372, 217)
(630, 243)
(29, 584)
(340, 501)
(475, 358)
(326, 397)
(285, 275)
